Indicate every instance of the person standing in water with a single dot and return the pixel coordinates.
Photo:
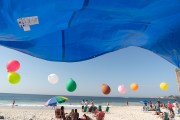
(13, 103)
(107, 104)
(127, 103)
(82, 103)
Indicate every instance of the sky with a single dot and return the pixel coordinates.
(124, 66)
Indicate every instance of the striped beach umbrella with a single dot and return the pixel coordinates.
(53, 101)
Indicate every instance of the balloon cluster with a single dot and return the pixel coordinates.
(121, 88)
(70, 85)
(105, 89)
(12, 66)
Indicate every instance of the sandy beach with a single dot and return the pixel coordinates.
(116, 113)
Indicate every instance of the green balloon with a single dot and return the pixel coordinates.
(71, 85)
(13, 77)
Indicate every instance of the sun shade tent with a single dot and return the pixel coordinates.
(70, 31)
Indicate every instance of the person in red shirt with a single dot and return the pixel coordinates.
(170, 106)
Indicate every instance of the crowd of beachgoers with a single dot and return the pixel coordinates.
(164, 111)
(159, 109)
(90, 111)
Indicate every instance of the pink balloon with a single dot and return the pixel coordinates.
(122, 89)
(12, 66)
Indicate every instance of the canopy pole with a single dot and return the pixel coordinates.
(178, 78)
(63, 46)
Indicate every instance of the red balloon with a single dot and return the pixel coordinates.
(12, 66)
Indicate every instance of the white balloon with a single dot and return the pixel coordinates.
(53, 78)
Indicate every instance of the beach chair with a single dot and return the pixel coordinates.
(166, 116)
(100, 108)
(58, 114)
(145, 108)
(85, 109)
(100, 116)
(107, 109)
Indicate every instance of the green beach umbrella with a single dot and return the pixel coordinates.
(58, 99)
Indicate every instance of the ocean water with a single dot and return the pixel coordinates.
(29, 100)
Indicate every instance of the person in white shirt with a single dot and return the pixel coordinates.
(176, 106)
(82, 103)
(86, 103)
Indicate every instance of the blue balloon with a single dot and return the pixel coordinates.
(69, 31)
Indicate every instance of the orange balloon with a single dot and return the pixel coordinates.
(134, 86)
(105, 89)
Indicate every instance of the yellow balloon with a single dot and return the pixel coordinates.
(164, 86)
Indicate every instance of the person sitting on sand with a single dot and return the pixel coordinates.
(145, 107)
(161, 115)
(163, 106)
(71, 115)
(158, 107)
(85, 117)
(152, 109)
(158, 111)
(76, 115)
(171, 114)
(62, 113)
(150, 103)
(96, 112)
(99, 115)
(164, 116)
(92, 108)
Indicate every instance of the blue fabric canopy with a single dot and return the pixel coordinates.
(76, 30)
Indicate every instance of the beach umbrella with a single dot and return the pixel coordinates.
(53, 101)
(144, 101)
